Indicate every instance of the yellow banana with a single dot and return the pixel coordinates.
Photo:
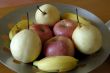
(56, 63)
(18, 27)
(73, 17)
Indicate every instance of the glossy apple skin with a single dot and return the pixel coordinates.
(43, 31)
(64, 28)
(59, 45)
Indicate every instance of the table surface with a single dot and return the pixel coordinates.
(98, 7)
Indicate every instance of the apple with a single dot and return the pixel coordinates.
(87, 38)
(64, 28)
(26, 46)
(18, 27)
(43, 31)
(47, 14)
(59, 45)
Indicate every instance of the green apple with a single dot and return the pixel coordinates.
(18, 27)
(26, 46)
(73, 17)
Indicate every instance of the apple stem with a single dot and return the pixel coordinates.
(28, 19)
(77, 18)
(41, 10)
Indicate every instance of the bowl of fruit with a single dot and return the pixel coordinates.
(53, 37)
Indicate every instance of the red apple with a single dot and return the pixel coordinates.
(59, 45)
(43, 30)
(65, 27)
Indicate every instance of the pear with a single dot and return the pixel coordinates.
(18, 27)
(25, 46)
(87, 38)
(47, 14)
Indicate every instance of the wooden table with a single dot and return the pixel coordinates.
(98, 7)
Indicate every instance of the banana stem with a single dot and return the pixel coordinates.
(35, 63)
(17, 27)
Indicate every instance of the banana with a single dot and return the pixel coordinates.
(73, 17)
(56, 63)
(18, 27)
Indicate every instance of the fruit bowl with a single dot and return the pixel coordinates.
(86, 65)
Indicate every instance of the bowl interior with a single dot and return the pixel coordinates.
(86, 65)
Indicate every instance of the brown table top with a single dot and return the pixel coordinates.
(98, 7)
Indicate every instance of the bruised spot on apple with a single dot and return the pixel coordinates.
(43, 31)
(59, 45)
(65, 28)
